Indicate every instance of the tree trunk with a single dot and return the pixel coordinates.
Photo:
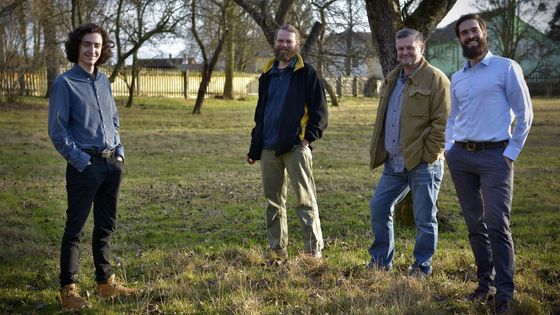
(134, 75)
(205, 80)
(76, 14)
(312, 39)
(384, 21)
(230, 56)
(51, 46)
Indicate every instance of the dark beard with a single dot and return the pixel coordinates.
(477, 51)
(283, 55)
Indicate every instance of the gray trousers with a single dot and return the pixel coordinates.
(298, 165)
(484, 184)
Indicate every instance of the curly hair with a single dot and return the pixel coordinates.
(72, 44)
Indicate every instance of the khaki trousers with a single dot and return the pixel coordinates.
(298, 165)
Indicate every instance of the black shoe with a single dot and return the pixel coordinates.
(417, 272)
(503, 306)
(373, 265)
(481, 296)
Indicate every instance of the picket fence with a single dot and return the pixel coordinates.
(167, 83)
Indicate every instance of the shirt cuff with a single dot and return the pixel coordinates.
(511, 152)
(81, 163)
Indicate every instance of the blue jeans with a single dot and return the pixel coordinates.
(424, 181)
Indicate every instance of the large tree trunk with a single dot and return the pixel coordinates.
(51, 45)
(384, 21)
(230, 56)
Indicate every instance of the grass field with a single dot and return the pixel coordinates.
(191, 222)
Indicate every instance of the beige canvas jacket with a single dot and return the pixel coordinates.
(424, 113)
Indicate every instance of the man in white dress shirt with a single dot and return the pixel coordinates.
(481, 147)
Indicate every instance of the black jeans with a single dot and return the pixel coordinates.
(99, 185)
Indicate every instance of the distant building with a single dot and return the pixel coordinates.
(538, 54)
(187, 63)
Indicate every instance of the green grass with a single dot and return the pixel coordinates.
(191, 223)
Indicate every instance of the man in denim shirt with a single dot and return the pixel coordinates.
(408, 139)
(84, 129)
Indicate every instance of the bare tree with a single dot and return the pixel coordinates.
(153, 18)
(230, 53)
(208, 63)
(510, 23)
(322, 6)
(51, 46)
(554, 25)
(262, 15)
(13, 50)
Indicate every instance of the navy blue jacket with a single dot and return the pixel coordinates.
(304, 114)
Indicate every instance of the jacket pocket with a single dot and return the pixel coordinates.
(419, 104)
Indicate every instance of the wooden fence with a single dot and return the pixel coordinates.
(175, 83)
(151, 82)
(172, 83)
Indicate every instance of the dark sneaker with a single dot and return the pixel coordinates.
(503, 306)
(420, 272)
(481, 296)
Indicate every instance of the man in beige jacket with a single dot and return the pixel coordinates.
(408, 138)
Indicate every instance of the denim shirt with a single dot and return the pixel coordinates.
(83, 116)
(393, 125)
(278, 87)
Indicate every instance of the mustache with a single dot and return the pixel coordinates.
(473, 52)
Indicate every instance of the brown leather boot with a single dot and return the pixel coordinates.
(70, 298)
(112, 289)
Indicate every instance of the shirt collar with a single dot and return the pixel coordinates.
(84, 74)
(290, 66)
(485, 61)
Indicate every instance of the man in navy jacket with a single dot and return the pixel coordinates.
(291, 114)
